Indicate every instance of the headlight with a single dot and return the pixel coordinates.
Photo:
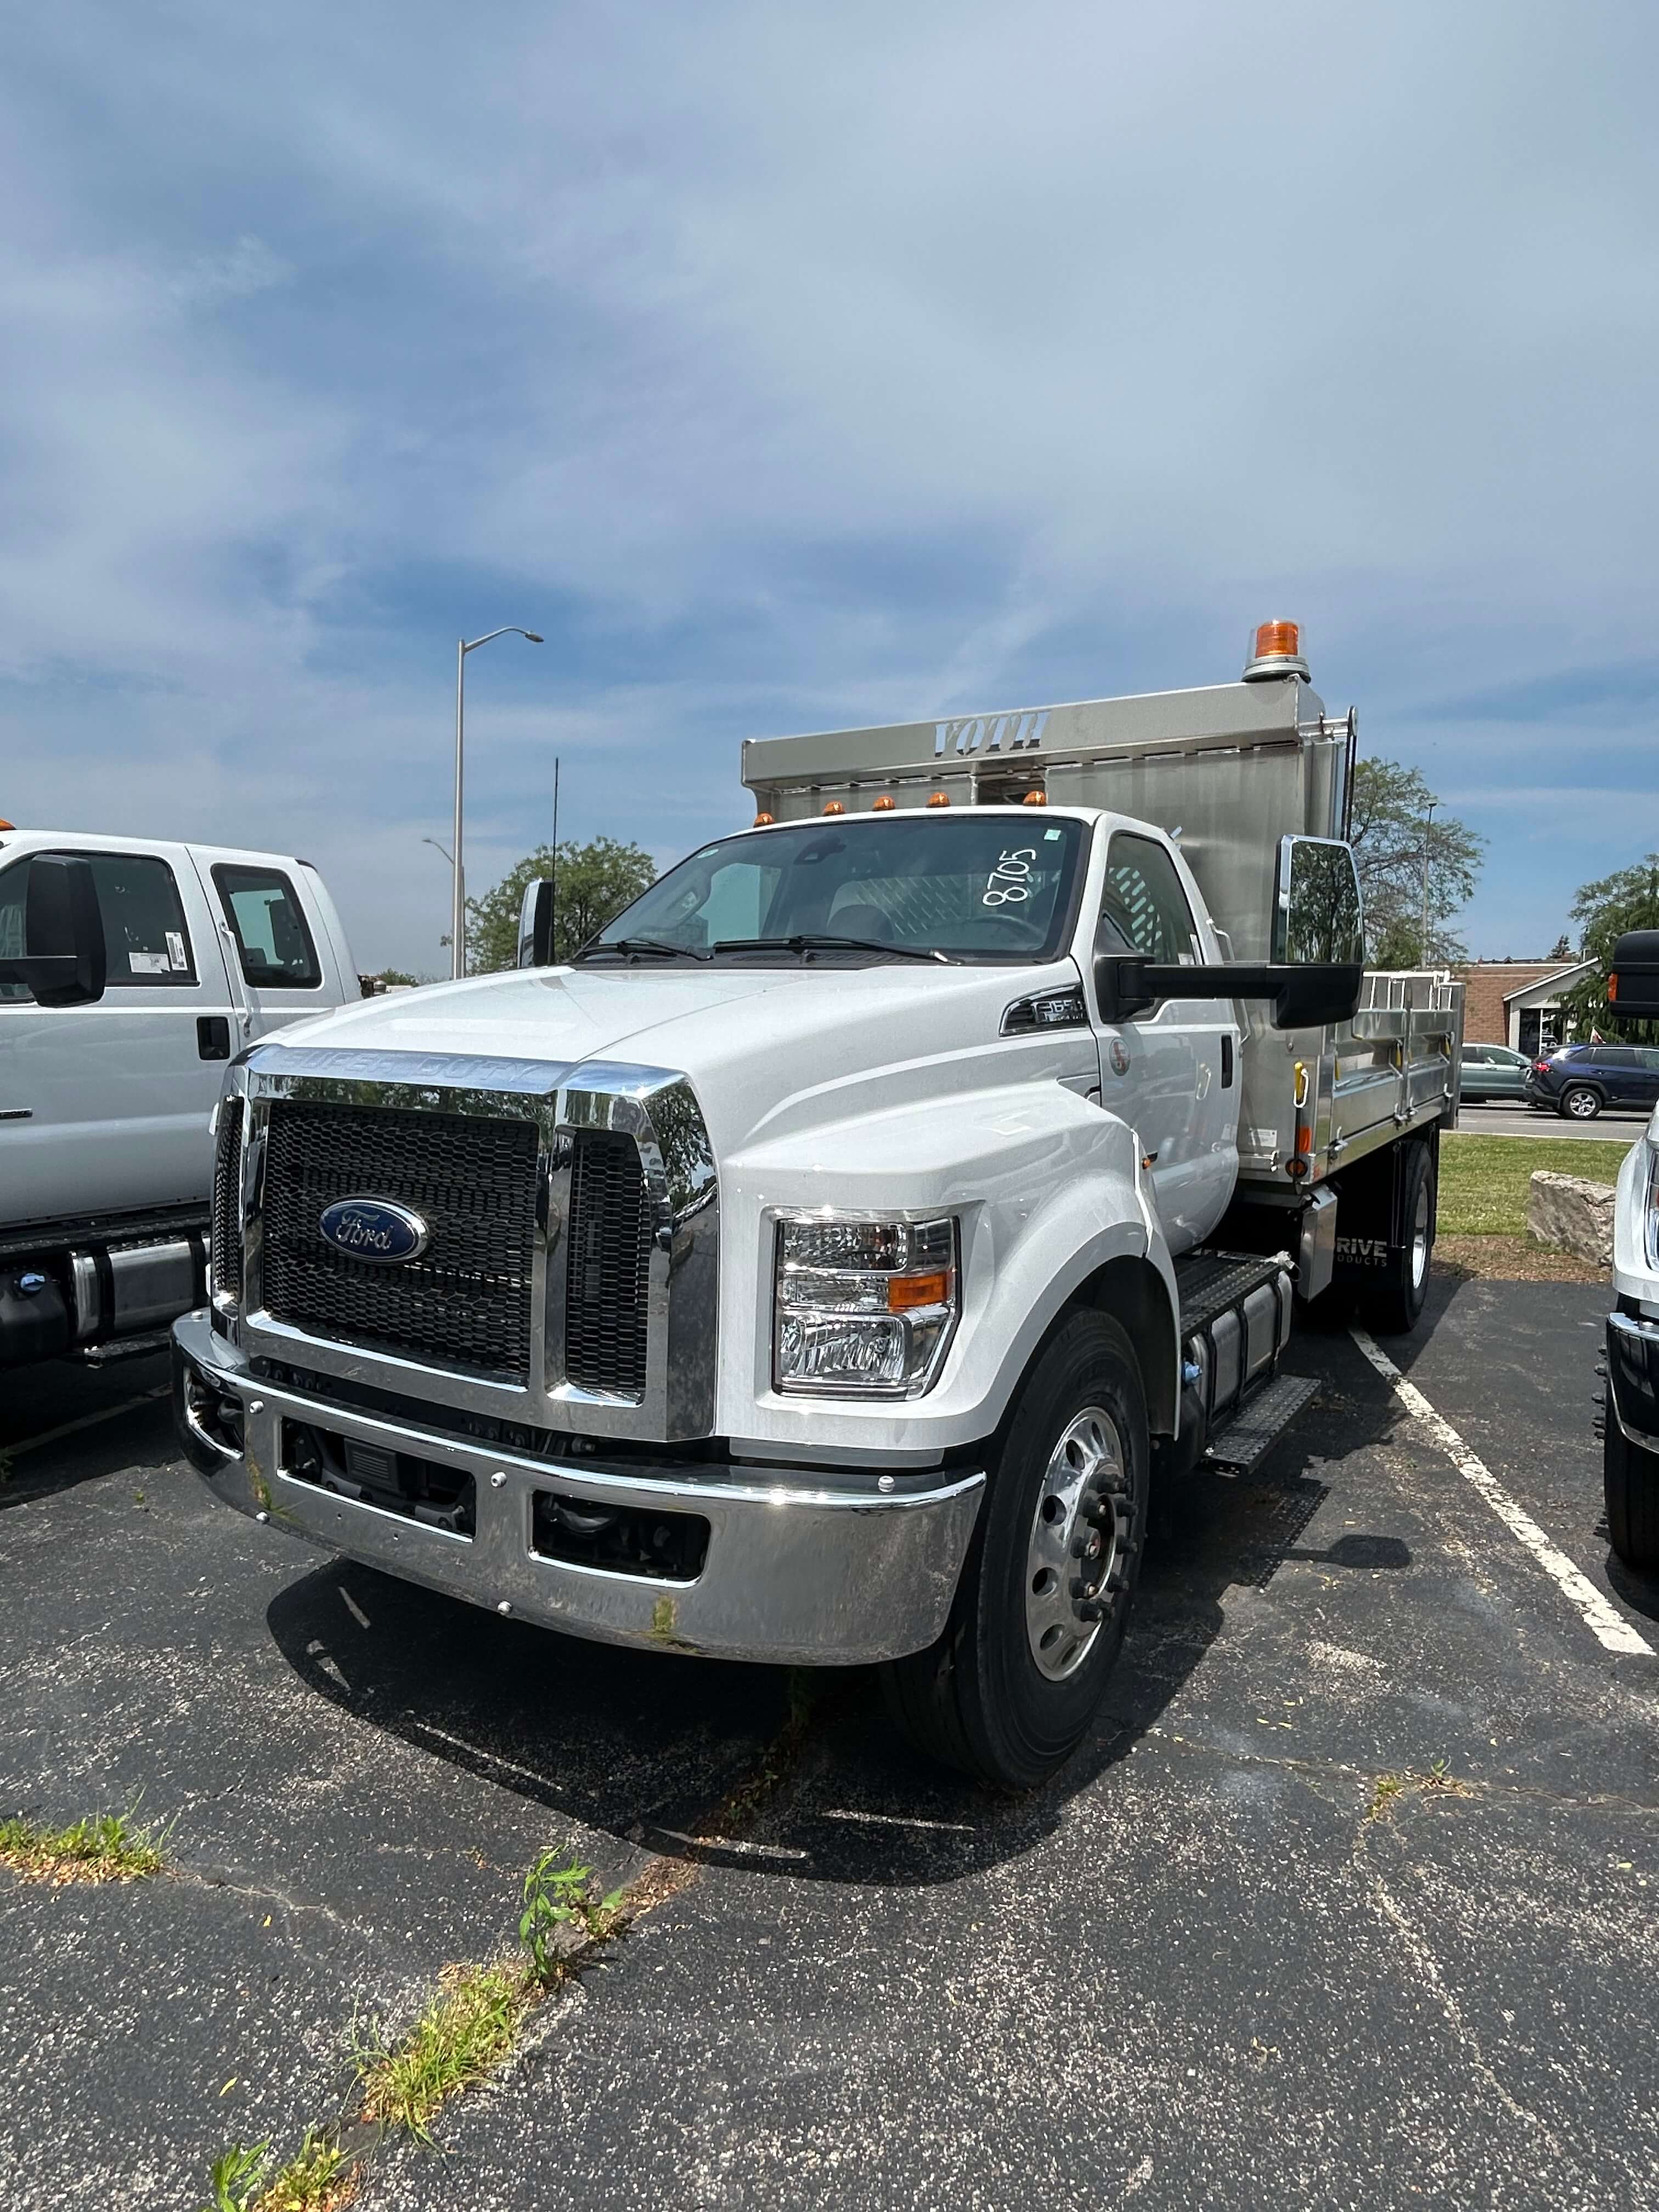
(863, 1309)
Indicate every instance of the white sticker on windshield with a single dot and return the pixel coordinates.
(176, 949)
(1051, 836)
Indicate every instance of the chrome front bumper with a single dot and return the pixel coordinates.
(830, 1568)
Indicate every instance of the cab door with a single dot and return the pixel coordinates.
(104, 1108)
(286, 967)
(1172, 1073)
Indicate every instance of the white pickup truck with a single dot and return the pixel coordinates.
(130, 972)
(822, 1266)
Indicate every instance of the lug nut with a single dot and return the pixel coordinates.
(504, 1606)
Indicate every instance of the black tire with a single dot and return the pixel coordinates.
(1578, 1103)
(1630, 1477)
(1391, 1303)
(979, 1699)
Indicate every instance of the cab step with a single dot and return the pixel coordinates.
(1240, 1445)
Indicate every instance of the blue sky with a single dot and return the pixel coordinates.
(795, 367)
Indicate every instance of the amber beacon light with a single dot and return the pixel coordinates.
(1275, 650)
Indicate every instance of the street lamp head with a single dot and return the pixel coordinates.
(534, 640)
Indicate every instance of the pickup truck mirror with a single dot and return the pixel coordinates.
(1633, 974)
(63, 959)
(1317, 914)
(1305, 995)
(536, 924)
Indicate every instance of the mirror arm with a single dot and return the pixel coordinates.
(1127, 984)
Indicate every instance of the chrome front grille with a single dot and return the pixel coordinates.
(608, 1265)
(225, 1250)
(466, 1302)
(571, 1276)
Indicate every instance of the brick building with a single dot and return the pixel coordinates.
(1517, 1002)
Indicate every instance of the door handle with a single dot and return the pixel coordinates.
(212, 1036)
(16, 1113)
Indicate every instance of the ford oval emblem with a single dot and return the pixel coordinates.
(373, 1229)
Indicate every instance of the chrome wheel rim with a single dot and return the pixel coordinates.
(1076, 1553)
(1420, 1236)
(1580, 1105)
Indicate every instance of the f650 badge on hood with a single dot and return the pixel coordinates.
(373, 1229)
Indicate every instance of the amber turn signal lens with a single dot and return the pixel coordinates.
(8, 826)
(1277, 640)
(938, 799)
(883, 805)
(906, 1293)
(1035, 799)
(763, 822)
(834, 807)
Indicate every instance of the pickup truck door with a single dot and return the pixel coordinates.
(275, 935)
(103, 1108)
(1172, 1074)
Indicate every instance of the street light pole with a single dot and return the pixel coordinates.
(457, 917)
(1428, 833)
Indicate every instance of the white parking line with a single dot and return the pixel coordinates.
(86, 1421)
(1608, 1626)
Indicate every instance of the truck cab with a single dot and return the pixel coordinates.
(820, 1266)
(106, 1155)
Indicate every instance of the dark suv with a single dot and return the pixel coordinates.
(1580, 1079)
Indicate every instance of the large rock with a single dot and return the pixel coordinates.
(1573, 1215)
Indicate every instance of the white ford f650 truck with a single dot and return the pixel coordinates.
(822, 1267)
(130, 972)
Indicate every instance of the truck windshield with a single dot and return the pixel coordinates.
(976, 888)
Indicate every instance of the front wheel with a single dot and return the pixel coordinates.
(1630, 1477)
(1007, 1694)
(1581, 1103)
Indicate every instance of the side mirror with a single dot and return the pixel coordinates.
(1303, 997)
(1633, 974)
(1317, 915)
(536, 924)
(63, 960)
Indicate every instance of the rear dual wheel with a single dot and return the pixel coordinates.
(1630, 1477)
(1008, 1692)
(1393, 1302)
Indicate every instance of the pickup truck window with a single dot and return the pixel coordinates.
(1143, 908)
(980, 888)
(146, 941)
(270, 928)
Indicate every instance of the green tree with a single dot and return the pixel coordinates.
(1627, 899)
(1389, 834)
(592, 883)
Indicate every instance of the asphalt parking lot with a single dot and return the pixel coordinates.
(1350, 1902)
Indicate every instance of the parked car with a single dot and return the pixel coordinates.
(1580, 1079)
(1492, 1071)
(131, 970)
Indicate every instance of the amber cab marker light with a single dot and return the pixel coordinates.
(7, 825)
(938, 799)
(1275, 650)
(1035, 799)
(881, 806)
(834, 807)
(763, 822)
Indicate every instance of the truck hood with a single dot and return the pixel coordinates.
(767, 1050)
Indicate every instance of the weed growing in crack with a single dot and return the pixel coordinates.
(560, 1898)
(318, 2177)
(1390, 1788)
(106, 1847)
(467, 2030)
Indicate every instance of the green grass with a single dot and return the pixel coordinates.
(318, 2177)
(1484, 1180)
(469, 2029)
(108, 1847)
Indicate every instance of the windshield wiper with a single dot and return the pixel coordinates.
(816, 940)
(656, 948)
